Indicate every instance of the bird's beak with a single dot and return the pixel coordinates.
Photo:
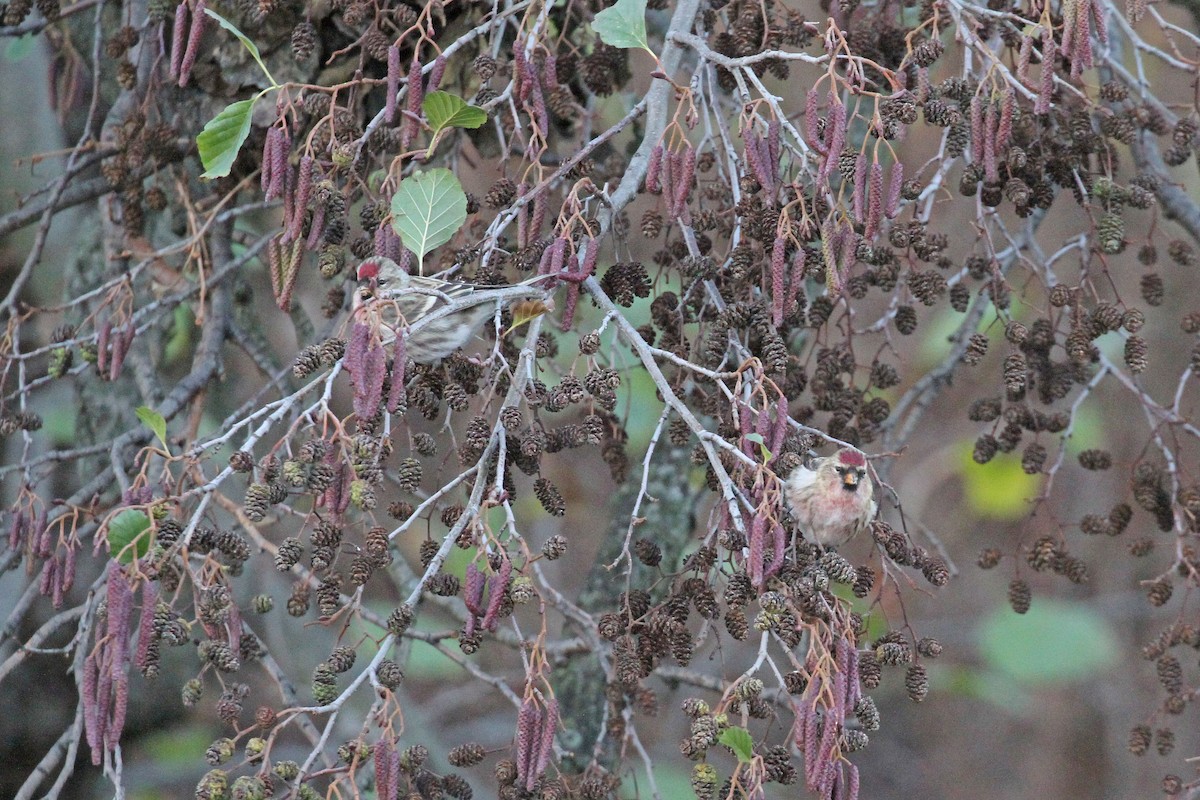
(850, 482)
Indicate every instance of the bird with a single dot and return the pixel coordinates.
(441, 315)
(834, 499)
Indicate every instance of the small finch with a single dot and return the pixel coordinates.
(834, 499)
(441, 316)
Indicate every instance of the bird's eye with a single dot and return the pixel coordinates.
(381, 281)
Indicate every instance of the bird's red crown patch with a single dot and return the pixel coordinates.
(852, 458)
(368, 269)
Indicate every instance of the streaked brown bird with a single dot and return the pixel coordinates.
(441, 316)
(833, 499)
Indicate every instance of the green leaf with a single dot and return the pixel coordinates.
(17, 49)
(999, 489)
(738, 740)
(445, 110)
(762, 445)
(245, 40)
(1054, 641)
(223, 137)
(623, 25)
(155, 422)
(428, 209)
(129, 535)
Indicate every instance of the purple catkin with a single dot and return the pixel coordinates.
(1081, 46)
(778, 549)
(522, 216)
(796, 280)
(547, 258)
(545, 746)
(178, 40)
(745, 428)
(280, 172)
(767, 178)
(687, 175)
(275, 266)
(265, 174)
(654, 170)
(496, 595)
(1024, 56)
(396, 388)
(393, 85)
(316, 229)
(195, 34)
(384, 785)
(991, 168)
(102, 338)
(774, 149)
(146, 624)
(1046, 88)
(59, 589)
(757, 533)
(368, 384)
(541, 202)
(977, 134)
(69, 567)
(751, 156)
(874, 200)
(380, 240)
(41, 535)
(811, 129)
(779, 428)
(92, 721)
(558, 252)
(476, 581)
(406, 258)
(354, 359)
(1008, 106)
(895, 186)
(550, 71)
(778, 277)
(519, 71)
(412, 119)
(300, 199)
(527, 731)
(437, 72)
(859, 197)
(852, 783)
(538, 102)
(1097, 14)
(46, 580)
(16, 533)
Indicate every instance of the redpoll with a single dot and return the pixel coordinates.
(834, 499)
(441, 316)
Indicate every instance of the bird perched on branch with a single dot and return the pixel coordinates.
(441, 316)
(833, 499)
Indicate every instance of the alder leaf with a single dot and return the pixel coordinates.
(129, 535)
(427, 210)
(445, 110)
(623, 25)
(223, 137)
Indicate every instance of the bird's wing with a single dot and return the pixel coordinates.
(801, 478)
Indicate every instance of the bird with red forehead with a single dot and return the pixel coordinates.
(833, 499)
(441, 316)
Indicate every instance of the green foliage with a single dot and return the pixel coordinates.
(223, 137)
(999, 489)
(739, 741)
(1054, 641)
(129, 535)
(623, 25)
(428, 209)
(155, 422)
